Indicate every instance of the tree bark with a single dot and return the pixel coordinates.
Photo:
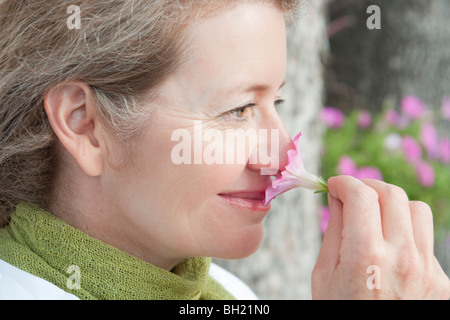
(282, 268)
(408, 55)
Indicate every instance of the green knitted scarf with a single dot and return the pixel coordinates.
(47, 247)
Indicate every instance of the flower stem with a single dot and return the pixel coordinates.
(323, 183)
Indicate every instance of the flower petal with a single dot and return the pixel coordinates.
(295, 175)
(280, 185)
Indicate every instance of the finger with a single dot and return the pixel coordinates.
(422, 221)
(361, 211)
(395, 211)
(331, 244)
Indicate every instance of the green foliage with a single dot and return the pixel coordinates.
(367, 148)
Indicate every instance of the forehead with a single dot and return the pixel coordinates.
(245, 41)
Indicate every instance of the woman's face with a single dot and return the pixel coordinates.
(185, 194)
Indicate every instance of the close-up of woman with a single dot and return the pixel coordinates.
(101, 194)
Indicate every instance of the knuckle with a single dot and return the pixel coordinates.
(423, 212)
(421, 207)
(366, 194)
(410, 264)
(361, 259)
(374, 256)
(394, 192)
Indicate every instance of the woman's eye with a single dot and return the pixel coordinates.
(242, 112)
(245, 112)
(279, 102)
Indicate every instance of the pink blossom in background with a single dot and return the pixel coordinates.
(425, 174)
(445, 150)
(364, 119)
(391, 117)
(403, 122)
(411, 149)
(445, 110)
(430, 140)
(347, 166)
(369, 173)
(324, 218)
(332, 117)
(412, 107)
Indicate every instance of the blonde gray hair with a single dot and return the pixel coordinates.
(123, 50)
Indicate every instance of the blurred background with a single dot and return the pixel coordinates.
(387, 104)
(369, 87)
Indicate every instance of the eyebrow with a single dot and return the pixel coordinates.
(258, 87)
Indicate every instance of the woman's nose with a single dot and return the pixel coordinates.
(270, 153)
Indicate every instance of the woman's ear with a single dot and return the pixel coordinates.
(71, 110)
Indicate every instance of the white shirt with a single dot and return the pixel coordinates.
(16, 284)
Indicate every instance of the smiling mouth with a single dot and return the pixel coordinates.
(253, 200)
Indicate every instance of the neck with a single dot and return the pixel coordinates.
(82, 205)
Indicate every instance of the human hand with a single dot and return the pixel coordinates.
(378, 245)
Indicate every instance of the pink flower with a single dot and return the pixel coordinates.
(430, 140)
(425, 174)
(392, 117)
(411, 149)
(445, 150)
(364, 119)
(295, 176)
(324, 218)
(412, 107)
(369, 173)
(347, 166)
(445, 110)
(332, 117)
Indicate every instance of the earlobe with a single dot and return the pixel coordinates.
(71, 111)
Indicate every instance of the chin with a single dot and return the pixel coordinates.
(241, 244)
(236, 232)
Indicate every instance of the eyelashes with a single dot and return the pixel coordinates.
(245, 112)
(242, 112)
(279, 102)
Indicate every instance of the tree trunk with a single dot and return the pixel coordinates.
(282, 268)
(408, 55)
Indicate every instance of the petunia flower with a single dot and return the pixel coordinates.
(430, 139)
(445, 150)
(364, 119)
(425, 174)
(391, 117)
(295, 176)
(347, 166)
(412, 107)
(332, 117)
(369, 173)
(411, 149)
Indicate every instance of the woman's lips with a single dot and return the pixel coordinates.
(249, 195)
(253, 200)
